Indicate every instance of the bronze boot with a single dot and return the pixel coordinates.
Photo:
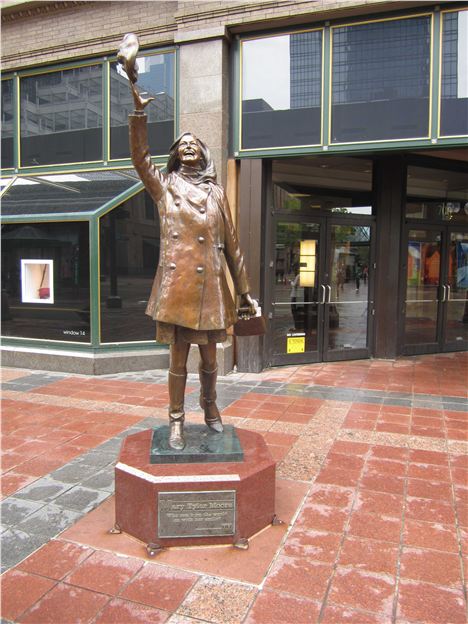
(176, 384)
(208, 399)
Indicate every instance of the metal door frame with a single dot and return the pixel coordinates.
(322, 354)
(440, 345)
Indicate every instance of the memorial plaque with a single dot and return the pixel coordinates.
(196, 514)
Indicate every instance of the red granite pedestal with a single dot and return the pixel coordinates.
(141, 487)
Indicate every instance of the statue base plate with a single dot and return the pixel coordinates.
(201, 445)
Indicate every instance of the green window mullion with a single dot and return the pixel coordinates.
(176, 93)
(106, 111)
(326, 86)
(236, 94)
(16, 123)
(436, 75)
(95, 293)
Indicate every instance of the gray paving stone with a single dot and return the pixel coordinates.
(44, 489)
(74, 472)
(14, 510)
(102, 480)
(81, 499)
(452, 399)
(402, 402)
(49, 521)
(456, 407)
(96, 459)
(17, 545)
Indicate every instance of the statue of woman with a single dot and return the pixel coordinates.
(190, 299)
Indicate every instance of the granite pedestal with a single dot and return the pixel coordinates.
(198, 502)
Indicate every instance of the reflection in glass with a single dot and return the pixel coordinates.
(350, 257)
(64, 248)
(437, 194)
(281, 90)
(454, 88)
(380, 80)
(65, 192)
(7, 125)
(422, 286)
(330, 184)
(61, 116)
(129, 258)
(295, 292)
(155, 79)
(456, 329)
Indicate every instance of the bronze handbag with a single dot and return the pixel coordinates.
(249, 325)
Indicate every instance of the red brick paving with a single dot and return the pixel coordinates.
(378, 538)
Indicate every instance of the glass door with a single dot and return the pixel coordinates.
(423, 290)
(349, 291)
(297, 294)
(321, 290)
(455, 293)
(436, 304)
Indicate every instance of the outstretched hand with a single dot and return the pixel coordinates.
(140, 102)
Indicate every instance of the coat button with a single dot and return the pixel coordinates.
(200, 269)
(202, 210)
(201, 239)
(172, 266)
(175, 236)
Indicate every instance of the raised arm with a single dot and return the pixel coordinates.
(149, 174)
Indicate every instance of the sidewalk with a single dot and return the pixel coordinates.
(372, 485)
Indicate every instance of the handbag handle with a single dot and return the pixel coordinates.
(43, 275)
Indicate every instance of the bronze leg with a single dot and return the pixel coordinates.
(208, 371)
(176, 384)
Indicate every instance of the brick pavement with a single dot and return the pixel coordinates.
(372, 475)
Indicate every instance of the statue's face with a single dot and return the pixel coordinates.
(189, 150)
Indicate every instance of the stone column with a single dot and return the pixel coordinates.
(204, 110)
(204, 94)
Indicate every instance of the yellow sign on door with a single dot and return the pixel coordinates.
(295, 344)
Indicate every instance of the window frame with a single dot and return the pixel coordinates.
(240, 108)
(433, 138)
(431, 63)
(105, 162)
(439, 101)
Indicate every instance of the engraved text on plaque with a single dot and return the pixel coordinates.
(196, 514)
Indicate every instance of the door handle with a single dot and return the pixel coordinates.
(329, 293)
(323, 293)
(443, 293)
(448, 292)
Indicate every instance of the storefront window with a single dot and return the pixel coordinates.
(61, 116)
(129, 254)
(282, 90)
(155, 79)
(45, 281)
(7, 123)
(454, 88)
(380, 80)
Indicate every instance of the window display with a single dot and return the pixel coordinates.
(46, 281)
(37, 283)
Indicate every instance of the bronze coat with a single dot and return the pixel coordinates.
(190, 287)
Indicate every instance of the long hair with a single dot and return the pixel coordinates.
(207, 169)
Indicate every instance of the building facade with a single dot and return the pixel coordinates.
(338, 128)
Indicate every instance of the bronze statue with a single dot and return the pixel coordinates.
(190, 299)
